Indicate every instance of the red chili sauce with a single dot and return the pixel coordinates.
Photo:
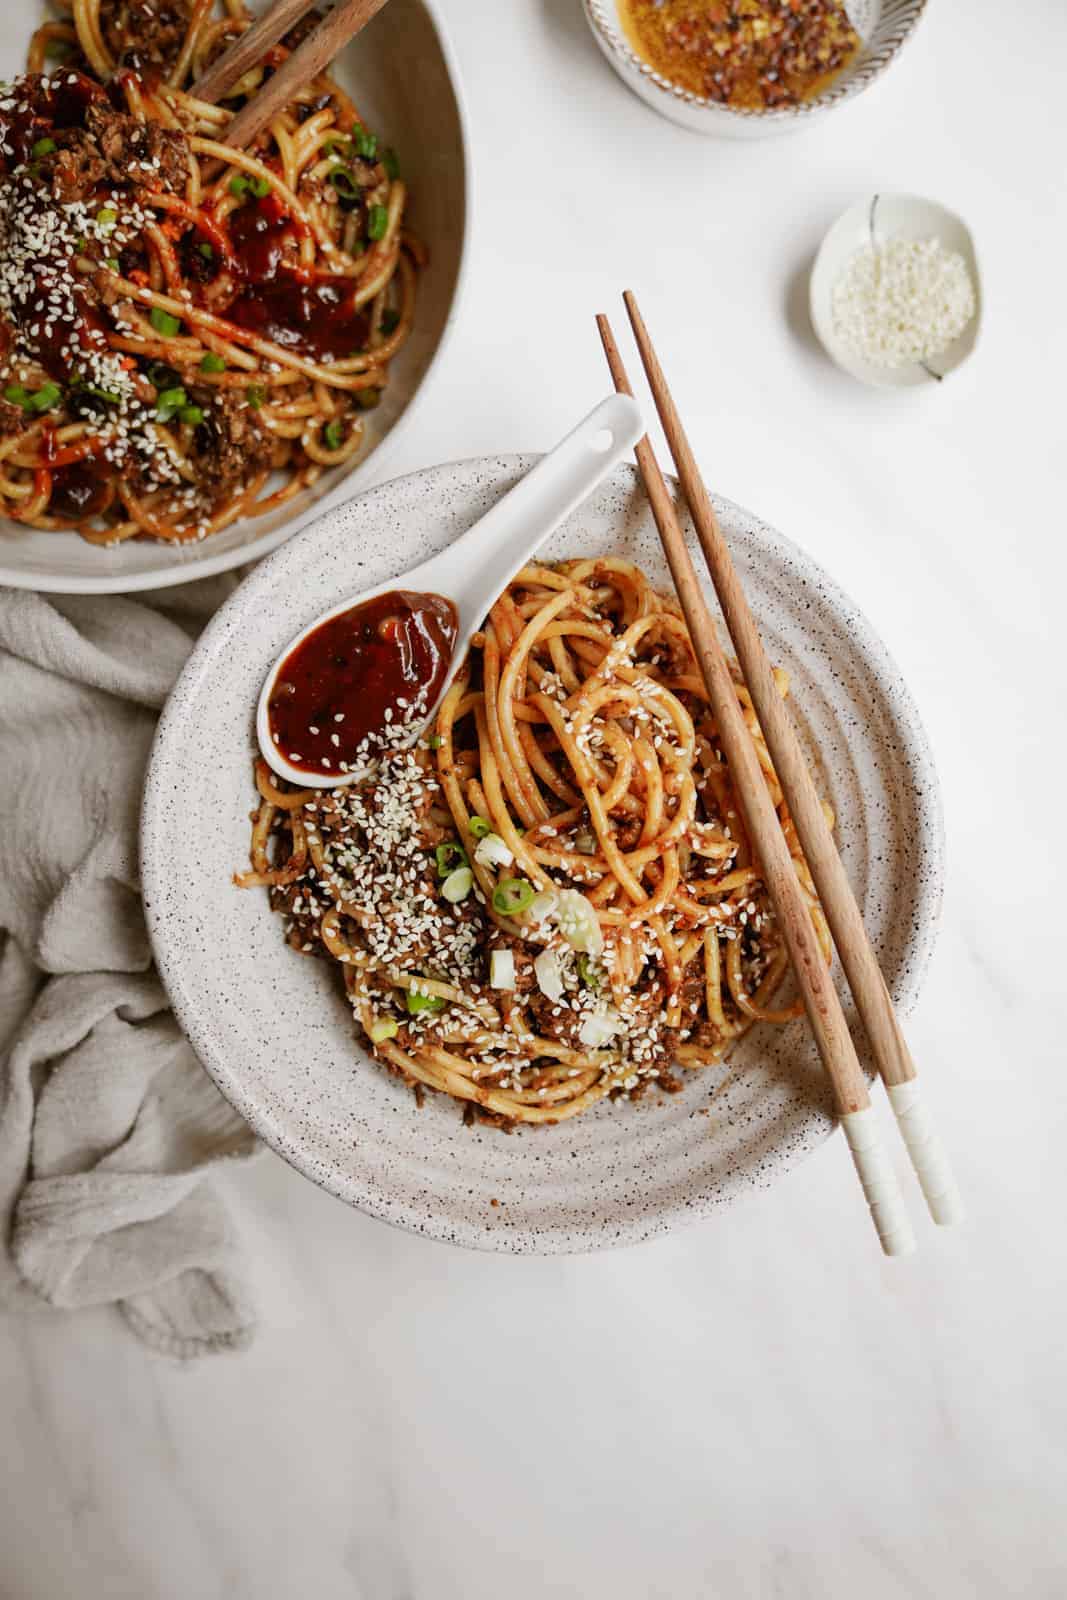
(314, 314)
(338, 684)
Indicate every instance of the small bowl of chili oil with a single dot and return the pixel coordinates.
(749, 68)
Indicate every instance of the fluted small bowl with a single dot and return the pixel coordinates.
(883, 26)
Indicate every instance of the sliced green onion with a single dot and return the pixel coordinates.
(458, 885)
(548, 970)
(193, 416)
(43, 147)
(391, 164)
(170, 401)
(387, 1028)
(107, 216)
(502, 969)
(212, 363)
(112, 263)
(103, 394)
(365, 143)
(600, 1027)
(578, 922)
(206, 250)
(450, 856)
(164, 323)
(435, 741)
(377, 222)
(239, 183)
(511, 896)
(479, 827)
(261, 187)
(492, 851)
(47, 396)
(17, 394)
(424, 1002)
(334, 435)
(344, 183)
(589, 972)
(255, 397)
(390, 321)
(79, 245)
(367, 399)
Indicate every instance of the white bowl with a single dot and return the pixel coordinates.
(883, 25)
(403, 76)
(877, 220)
(278, 1037)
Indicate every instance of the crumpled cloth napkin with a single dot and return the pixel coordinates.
(109, 1127)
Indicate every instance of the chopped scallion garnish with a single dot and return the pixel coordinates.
(164, 323)
(424, 1002)
(512, 895)
(170, 401)
(450, 855)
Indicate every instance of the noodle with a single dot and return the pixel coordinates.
(531, 936)
(214, 323)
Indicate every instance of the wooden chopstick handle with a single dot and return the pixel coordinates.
(812, 974)
(305, 64)
(864, 975)
(248, 49)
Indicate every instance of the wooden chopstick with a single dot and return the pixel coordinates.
(839, 904)
(813, 976)
(305, 63)
(248, 49)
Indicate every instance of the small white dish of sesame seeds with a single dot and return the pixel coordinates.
(895, 293)
(274, 1029)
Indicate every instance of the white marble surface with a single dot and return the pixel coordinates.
(759, 1407)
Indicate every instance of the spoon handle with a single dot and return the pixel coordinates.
(500, 544)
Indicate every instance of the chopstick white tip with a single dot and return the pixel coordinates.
(928, 1154)
(879, 1182)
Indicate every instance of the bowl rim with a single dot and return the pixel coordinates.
(208, 565)
(356, 1191)
(609, 32)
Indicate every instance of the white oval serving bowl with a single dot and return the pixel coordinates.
(875, 221)
(276, 1034)
(883, 25)
(402, 74)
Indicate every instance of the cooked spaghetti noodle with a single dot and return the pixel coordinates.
(189, 334)
(552, 899)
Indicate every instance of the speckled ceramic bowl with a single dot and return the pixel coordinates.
(273, 1029)
(403, 75)
(883, 26)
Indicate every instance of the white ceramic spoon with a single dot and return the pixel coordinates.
(475, 570)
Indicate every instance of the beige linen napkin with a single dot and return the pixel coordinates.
(109, 1127)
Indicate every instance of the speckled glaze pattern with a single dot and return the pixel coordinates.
(277, 1036)
(883, 26)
